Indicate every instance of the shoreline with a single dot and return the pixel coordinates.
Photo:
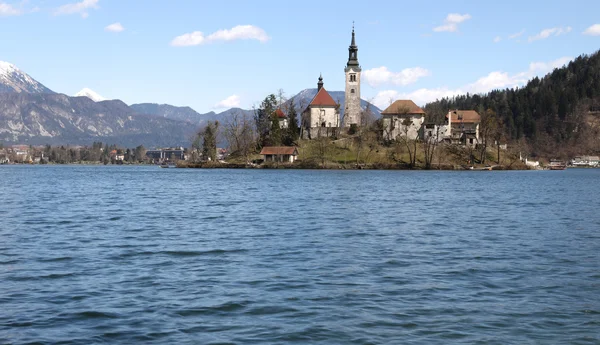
(334, 166)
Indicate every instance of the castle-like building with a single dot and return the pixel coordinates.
(322, 116)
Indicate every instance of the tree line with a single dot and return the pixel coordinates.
(555, 114)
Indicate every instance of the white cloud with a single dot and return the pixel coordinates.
(240, 32)
(80, 8)
(515, 35)
(421, 96)
(114, 27)
(232, 101)
(192, 39)
(9, 10)
(492, 81)
(497, 39)
(381, 75)
(451, 22)
(557, 31)
(593, 30)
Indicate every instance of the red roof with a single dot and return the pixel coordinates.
(280, 114)
(401, 107)
(465, 116)
(323, 98)
(279, 150)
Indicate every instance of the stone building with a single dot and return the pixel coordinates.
(352, 107)
(402, 118)
(463, 127)
(321, 117)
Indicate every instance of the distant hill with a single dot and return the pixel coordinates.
(303, 98)
(59, 119)
(167, 111)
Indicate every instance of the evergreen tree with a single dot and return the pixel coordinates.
(209, 142)
(293, 131)
(263, 116)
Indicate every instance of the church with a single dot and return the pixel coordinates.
(322, 115)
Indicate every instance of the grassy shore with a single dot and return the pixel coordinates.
(347, 154)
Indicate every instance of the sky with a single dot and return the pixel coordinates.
(221, 54)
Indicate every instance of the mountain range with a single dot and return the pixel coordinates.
(31, 113)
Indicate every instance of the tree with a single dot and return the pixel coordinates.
(292, 133)
(487, 129)
(263, 117)
(240, 135)
(404, 140)
(208, 137)
(139, 153)
(430, 143)
(365, 136)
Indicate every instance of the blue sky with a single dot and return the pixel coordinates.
(212, 55)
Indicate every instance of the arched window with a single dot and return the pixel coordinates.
(352, 91)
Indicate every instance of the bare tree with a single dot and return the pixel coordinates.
(430, 143)
(410, 144)
(365, 138)
(240, 134)
(487, 128)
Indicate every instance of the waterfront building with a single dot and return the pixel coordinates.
(281, 154)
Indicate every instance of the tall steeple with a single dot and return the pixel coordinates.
(352, 51)
(352, 107)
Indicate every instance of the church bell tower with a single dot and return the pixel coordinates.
(352, 107)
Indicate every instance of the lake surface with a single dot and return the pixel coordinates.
(142, 255)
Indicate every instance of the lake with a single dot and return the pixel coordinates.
(142, 255)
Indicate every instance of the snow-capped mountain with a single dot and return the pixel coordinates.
(13, 80)
(91, 94)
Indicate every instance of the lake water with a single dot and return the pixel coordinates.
(142, 255)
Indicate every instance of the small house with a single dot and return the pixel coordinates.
(282, 154)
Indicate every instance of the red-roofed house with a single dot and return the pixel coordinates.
(321, 117)
(402, 118)
(282, 154)
(282, 118)
(463, 126)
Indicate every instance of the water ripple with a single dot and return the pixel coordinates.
(139, 255)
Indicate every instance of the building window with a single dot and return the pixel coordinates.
(352, 77)
(352, 91)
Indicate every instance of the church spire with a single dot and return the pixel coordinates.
(320, 83)
(353, 51)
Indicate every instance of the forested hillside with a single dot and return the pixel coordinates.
(557, 114)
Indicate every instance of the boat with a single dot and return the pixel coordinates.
(164, 165)
(556, 164)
